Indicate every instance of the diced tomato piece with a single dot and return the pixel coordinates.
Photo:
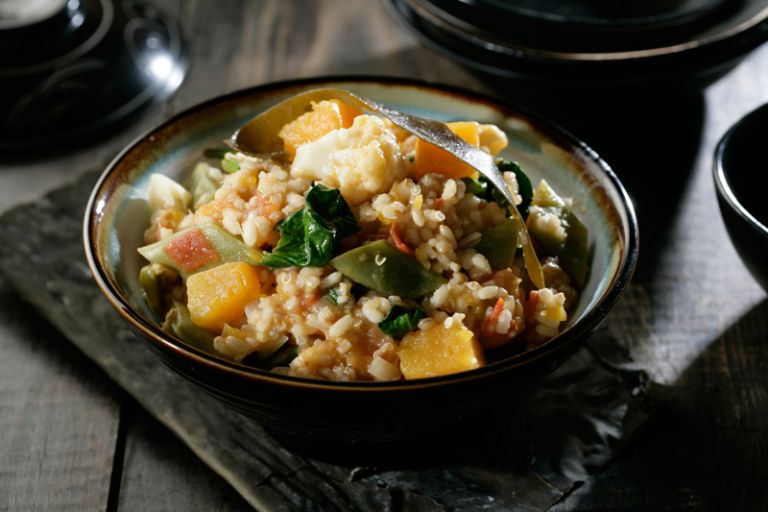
(191, 250)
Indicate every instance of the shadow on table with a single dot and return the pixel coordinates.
(706, 454)
(650, 138)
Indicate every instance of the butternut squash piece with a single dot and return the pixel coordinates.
(439, 350)
(219, 295)
(324, 117)
(432, 159)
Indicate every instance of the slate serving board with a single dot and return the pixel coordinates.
(526, 457)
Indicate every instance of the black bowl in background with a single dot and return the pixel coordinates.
(553, 57)
(741, 179)
(82, 70)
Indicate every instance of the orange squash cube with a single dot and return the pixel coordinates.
(439, 350)
(432, 159)
(219, 295)
(324, 117)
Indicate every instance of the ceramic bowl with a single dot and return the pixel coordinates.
(118, 214)
(75, 69)
(740, 182)
(564, 55)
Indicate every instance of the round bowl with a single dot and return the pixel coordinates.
(564, 58)
(117, 215)
(740, 182)
(79, 68)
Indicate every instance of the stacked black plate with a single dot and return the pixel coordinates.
(591, 42)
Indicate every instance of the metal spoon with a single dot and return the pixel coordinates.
(259, 138)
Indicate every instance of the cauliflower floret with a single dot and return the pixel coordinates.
(361, 161)
(163, 192)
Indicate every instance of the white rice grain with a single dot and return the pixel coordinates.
(341, 326)
(488, 292)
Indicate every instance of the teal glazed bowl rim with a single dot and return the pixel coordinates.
(620, 209)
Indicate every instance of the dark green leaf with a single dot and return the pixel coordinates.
(333, 295)
(484, 189)
(400, 321)
(333, 209)
(307, 236)
(216, 153)
(524, 187)
(475, 187)
(304, 241)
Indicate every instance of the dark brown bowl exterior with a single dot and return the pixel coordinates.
(741, 181)
(368, 411)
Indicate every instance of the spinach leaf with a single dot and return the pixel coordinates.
(484, 189)
(331, 206)
(524, 187)
(307, 236)
(400, 321)
(304, 241)
(475, 187)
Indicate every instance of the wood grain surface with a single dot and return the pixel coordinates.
(70, 440)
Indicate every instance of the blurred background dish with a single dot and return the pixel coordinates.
(71, 68)
(740, 182)
(591, 44)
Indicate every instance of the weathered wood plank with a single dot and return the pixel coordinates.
(160, 473)
(58, 417)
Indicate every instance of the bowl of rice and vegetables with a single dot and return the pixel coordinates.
(325, 249)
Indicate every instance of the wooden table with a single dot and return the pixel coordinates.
(70, 439)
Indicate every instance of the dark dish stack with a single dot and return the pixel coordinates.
(591, 43)
(70, 69)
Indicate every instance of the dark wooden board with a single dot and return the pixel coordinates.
(160, 473)
(58, 417)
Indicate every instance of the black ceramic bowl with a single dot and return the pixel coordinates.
(118, 214)
(741, 178)
(560, 55)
